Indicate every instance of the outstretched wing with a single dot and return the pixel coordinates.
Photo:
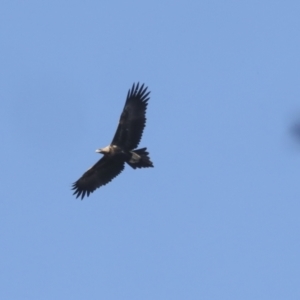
(133, 118)
(100, 174)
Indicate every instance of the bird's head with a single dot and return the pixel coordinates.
(104, 150)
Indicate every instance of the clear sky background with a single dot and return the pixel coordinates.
(218, 216)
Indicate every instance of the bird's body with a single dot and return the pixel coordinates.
(122, 148)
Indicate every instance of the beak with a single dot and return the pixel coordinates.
(99, 151)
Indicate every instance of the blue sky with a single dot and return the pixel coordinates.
(218, 216)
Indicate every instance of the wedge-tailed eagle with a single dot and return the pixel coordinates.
(123, 146)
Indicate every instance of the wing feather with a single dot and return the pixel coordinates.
(133, 118)
(100, 174)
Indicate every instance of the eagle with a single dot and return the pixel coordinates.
(123, 146)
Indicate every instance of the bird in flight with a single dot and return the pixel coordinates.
(123, 146)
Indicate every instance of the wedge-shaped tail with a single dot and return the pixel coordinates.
(140, 159)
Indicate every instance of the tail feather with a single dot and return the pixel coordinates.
(140, 159)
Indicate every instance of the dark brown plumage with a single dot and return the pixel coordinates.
(121, 150)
